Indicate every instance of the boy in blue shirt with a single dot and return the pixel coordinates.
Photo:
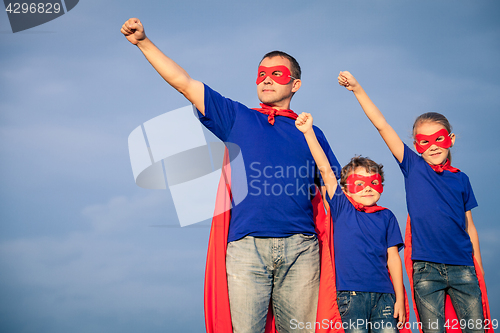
(367, 241)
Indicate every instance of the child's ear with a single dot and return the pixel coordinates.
(415, 145)
(452, 137)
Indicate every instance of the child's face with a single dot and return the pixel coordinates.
(367, 196)
(434, 155)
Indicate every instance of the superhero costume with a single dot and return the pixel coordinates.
(274, 156)
(217, 311)
(450, 314)
(448, 191)
(233, 122)
(216, 299)
(362, 236)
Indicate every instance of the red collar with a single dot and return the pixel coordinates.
(446, 166)
(271, 112)
(362, 208)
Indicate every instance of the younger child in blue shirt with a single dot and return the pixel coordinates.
(444, 239)
(367, 241)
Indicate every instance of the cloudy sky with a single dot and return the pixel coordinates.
(84, 249)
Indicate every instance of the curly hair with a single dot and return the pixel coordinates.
(360, 161)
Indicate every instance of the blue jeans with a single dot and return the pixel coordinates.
(284, 270)
(432, 281)
(367, 312)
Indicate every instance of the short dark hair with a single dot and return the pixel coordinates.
(360, 161)
(296, 72)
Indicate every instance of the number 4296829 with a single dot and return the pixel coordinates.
(471, 324)
(32, 8)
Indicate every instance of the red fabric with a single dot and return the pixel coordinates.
(362, 208)
(367, 181)
(432, 140)
(282, 79)
(450, 314)
(217, 314)
(327, 299)
(446, 166)
(271, 112)
(217, 311)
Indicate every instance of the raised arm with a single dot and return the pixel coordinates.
(170, 71)
(304, 123)
(390, 136)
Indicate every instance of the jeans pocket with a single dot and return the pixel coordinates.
(387, 305)
(393, 298)
(420, 271)
(470, 270)
(343, 302)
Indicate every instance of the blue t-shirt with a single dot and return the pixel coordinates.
(360, 243)
(280, 170)
(437, 203)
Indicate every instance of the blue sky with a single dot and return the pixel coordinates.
(82, 248)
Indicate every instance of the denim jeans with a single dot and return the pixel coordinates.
(367, 312)
(432, 281)
(284, 270)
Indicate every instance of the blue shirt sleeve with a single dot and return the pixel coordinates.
(394, 237)
(338, 202)
(409, 157)
(469, 198)
(220, 114)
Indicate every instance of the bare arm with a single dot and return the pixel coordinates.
(170, 71)
(389, 135)
(396, 272)
(304, 123)
(323, 195)
(474, 238)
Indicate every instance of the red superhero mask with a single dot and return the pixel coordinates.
(279, 74)
(374, 181)
(441, 139)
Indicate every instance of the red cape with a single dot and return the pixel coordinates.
(450, 314)
(217, 311)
